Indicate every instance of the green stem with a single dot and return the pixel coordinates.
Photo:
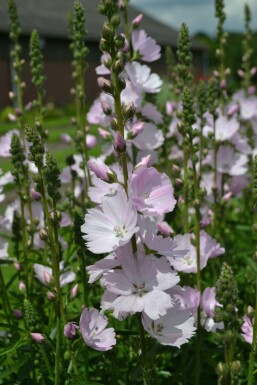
(254, 345)
(185, 166)
(5, 299)
(146, 376)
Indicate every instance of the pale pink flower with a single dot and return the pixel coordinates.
(91, 141)
(35, 195)
(5, 143)
(111, 226)
(224, 128)
(141, 284)
(151, 192)
(174, 329)
(141, 78)
(65, 138)
(208, 305)
(100, 188)
(145, 46)
(92, 326)
(189, 298)
(247, 329)
(100, 267)
(230, 162)
(165, 229)
(4, 249)
(150, 112)
(74, 291)
(248, 107)
(150, 138)
(102, 69)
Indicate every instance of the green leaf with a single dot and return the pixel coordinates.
(13, 368)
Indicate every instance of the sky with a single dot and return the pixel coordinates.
(198, 14)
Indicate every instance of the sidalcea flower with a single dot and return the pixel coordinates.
(92, 326)
(141, 284)
(151, 192)
(145, 46)
(112, 225)
(100, 188)
(208, 305)
(141, 78)
(174, 329)
(150, 138)
(209, 248)
(70, 330)
(224, 128)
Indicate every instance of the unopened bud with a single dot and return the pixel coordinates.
(221, 369)
(241, 73)
(35, 195)
(115, 20)
(104, 84)
(253, 71)
(17, 313)
(70, 330)
(175, 169)
(137, 20)
(74, 291)
(37, 337)
(114, 123)
(178, 182)
(22, 286)
(47, 277)
(119, 143)
(129, 111)
(43, 234)
(106, 108)
(236, 367)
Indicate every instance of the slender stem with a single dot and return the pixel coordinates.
(146, 377)
(5, 299)
(254, 345)
(185, 166)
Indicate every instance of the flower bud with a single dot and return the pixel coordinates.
(100, 169)
(47, 277)
(129, 111)
(121, 5)
(119, 143)
(103, 133)
(178, 182)
(50, 296)
(12, 95)
(233, 109)
(251, 90)
(70, 330)
(74, 291)
(175, 169)
(241, 73)
(120, 41)
(22, 286)
(118, 66)
(43, 235)
(145, 161)
(17, 313)
(253, 71)
(36, 196)
(37, 337)
(17, 266)
(107, 31)
(65, 138)
(115, 20)
(137, 20)
(104, 84)
(11, 117)
(221, 369)
(106, 108)
(114, 123)
(236, 367)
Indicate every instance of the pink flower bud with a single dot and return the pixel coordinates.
(122, 4)
(106, 108)
(227, 196)
(223, 84)
(22, 286)
(29, 106)
(233, 109)
(216, 74)
(11, 117)
(91, 141)
(37, 337)
(103, 133)
(170, 108)
(70, 330)
(74, 291)
(119, 143)
(18, 112)
(47, 277)
(253, 71)
(136, 22)
(11, 95)
(35, 195)
(125, 49)
(73, 120)
(251, 90)
(241, 73)
(65, 138)
(17, 313)
(17, 266)
(100, 169)
(50, 296)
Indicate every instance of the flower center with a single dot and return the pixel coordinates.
(159, 328)
(119, 231)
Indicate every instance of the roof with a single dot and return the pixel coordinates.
(49, 17)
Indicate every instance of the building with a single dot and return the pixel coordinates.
(50, 18)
